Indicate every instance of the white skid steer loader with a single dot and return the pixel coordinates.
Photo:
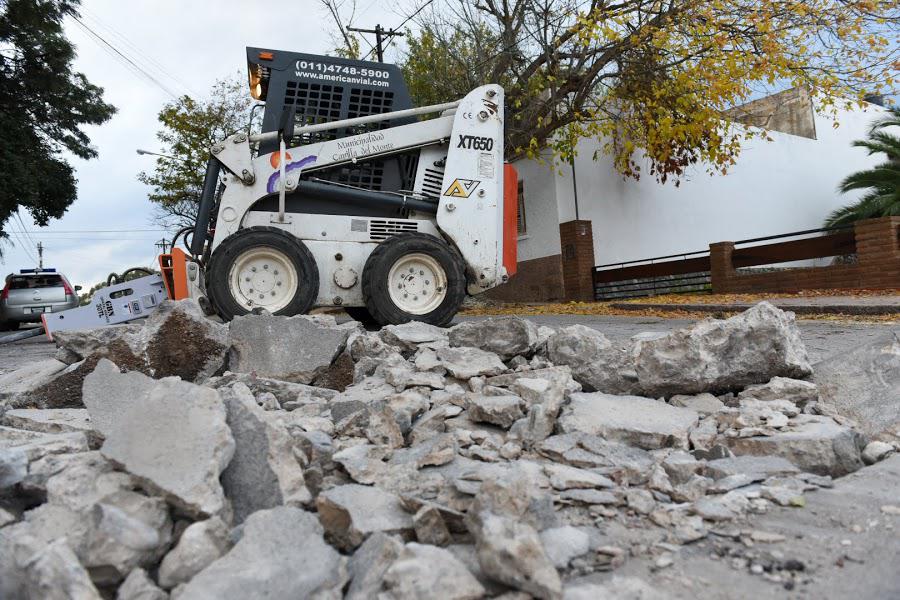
(350, 201)
(320, 223)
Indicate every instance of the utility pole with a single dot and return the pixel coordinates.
(40, 249)
(380, 33)
(163, 244)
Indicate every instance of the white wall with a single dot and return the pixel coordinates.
(785, 185)
(541, 216)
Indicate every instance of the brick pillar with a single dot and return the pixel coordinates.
(577, 244)
(721, 269)
(878, 251)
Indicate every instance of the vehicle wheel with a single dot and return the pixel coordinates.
(262, 267)
(9, 325)
(413, 277)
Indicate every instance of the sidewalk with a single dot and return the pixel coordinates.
(801, 305)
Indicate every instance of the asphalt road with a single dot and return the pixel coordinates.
(822, 338)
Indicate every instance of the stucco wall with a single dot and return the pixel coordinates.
(776, 187)
(541, 218)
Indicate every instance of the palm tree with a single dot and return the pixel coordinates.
(882, 198)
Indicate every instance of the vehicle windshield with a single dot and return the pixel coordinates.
(34, 282)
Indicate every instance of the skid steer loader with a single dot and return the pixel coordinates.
(348, 201)
(352, 201)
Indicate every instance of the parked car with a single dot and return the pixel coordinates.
(32, 292)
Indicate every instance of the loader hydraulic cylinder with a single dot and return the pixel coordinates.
(350, 195)
(207, 199)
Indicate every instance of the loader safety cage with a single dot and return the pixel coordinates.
(319, 90)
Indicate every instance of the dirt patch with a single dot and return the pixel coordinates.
(181, 348)
(65, 390)
(338, 376)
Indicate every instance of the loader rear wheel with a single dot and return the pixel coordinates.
(262, 267)
(413, 277)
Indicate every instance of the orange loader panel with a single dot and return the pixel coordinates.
(174, 273)
(510, 218)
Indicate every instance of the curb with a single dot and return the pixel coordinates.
(831, 309)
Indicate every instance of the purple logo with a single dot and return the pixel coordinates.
(271, 186)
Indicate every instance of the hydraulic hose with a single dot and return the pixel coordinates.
(21, 335)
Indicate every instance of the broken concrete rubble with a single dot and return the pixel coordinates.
(263, 471)
(174, 438)
(199, 545)
(504, 336)
(350, 513)
(864, 385)
(815, 444)
(422, 570)
(722, 355)
(295, 349)
(176, 340)
(461, 463)
(634, 420)
(280, 554)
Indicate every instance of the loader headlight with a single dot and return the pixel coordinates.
(255, 86)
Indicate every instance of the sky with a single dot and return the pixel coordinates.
(194, 43)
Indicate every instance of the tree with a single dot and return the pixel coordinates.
(882, 183)
(651, 78)
(43, 104)
(189, 129)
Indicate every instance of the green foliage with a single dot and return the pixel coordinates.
(43, 105)
(189, 129)
(881, 183)
(652, 81)
(446, 67)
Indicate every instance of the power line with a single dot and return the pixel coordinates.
(136, 50)
(24, 229)
(97, 37)
(405, 21)
(24, 245)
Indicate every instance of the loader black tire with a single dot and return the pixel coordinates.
(218, 272)
(376, 273)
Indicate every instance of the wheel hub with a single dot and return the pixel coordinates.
(263, 278)
(417, 283)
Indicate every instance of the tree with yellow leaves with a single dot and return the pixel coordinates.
(650, 78)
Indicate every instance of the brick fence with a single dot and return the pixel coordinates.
(877, 243)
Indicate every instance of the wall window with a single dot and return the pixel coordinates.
(521, 225)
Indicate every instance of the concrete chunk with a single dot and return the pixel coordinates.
(502, 411)
(722, 355)
(296, 349)
(199, 545)
(350, 513)
(505, 336)
(642, 422)
(263, 473)
(175, 439)
(280, 554)
(465, 363)
(815, 444)
(596, 363)
(510, 551)
(428, 571)
(864, 385)
(28, 378)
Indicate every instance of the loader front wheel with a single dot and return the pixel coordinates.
(262, 267)
(413, 277)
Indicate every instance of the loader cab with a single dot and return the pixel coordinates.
(321, 89)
